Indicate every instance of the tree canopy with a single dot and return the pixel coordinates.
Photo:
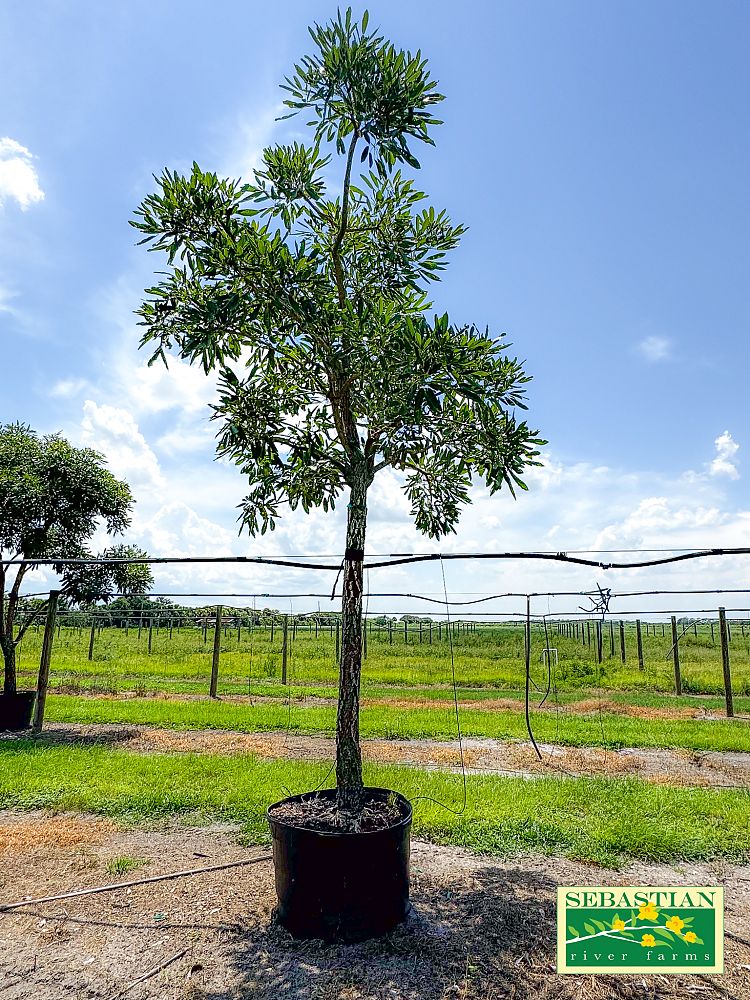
(323, 300)
(307, 288)
(53, 497)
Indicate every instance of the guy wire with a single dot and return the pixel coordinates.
(428, 798)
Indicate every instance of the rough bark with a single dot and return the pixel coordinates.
(348, 754)
(9, 657)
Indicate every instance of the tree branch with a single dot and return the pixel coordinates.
(29, 621)
(336, 248)
(13, 598)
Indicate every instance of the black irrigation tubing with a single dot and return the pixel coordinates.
(426, 597)
(515, 617)
(394, 560)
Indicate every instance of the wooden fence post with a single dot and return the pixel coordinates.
(217, 650)
(364, 640)
(622, 640)
(338, 643)
(44, 662)
(676, 657)
(611, 639)
(150, 634)
(639, 643)
(725, 662)
(284, 648)
(599, 642)
(91, 640)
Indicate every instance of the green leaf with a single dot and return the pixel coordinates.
(589, 928)
(664, 932)
(572, 931)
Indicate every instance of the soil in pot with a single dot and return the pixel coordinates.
(337, 883)
(16, 710)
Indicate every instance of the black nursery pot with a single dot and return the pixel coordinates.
(337, 885)
(16, 710)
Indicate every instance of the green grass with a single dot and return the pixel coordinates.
(486, 658)
(398, 723)
(125, 864)
(605, 821)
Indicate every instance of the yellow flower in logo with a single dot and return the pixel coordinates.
(690, 937)
(675, 924)
(648, 912)
(618, 925)
(648, 941)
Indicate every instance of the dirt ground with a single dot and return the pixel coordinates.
(508, 757)
(480, 927)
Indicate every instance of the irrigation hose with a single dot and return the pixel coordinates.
(5, 907)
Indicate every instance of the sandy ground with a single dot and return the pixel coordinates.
(510, 757)
(480, 927)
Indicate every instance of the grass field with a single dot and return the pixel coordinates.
(601, 820)
(180, 662)
(407, 694)
(605, 729)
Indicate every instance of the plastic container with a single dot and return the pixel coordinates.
(337, 885)
(16, 710)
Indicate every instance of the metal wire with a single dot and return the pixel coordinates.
(392, 561)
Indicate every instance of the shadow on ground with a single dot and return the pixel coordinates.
(487, 937)
(74, 736)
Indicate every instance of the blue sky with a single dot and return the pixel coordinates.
(598, 153)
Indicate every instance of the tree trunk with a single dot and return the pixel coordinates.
(349, 782)
(9, 656)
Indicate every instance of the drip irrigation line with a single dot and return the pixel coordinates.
(5, 907)
(393, 560)
(427, 596)
(514, 617)
(549, 663)
(528, 677)
(428, 798)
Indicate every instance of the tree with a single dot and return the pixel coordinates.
(52, 496)
(323, 299)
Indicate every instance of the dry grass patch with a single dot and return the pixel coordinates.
(22, 836)
(383, 752)
(211, 741)
(571, 760)
(591, 705)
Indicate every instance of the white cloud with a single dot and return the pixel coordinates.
(5, 299)
(18, 177)
(655, 348)
(724, 464)
(114, 432)
(250, 136)
(69, 388)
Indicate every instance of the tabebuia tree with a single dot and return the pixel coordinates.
(306, 288)
(53, 497)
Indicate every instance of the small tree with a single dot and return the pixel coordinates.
(324, 300)
(52, 496)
